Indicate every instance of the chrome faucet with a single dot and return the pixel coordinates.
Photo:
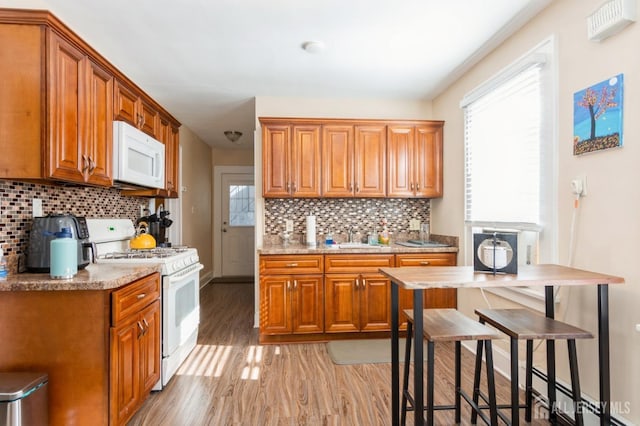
(352, 231)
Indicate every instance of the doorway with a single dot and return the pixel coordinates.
(234, 221)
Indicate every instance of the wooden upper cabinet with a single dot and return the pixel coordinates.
(276, 150)
(353, 159)
(81, 132)
(291, 160)
(99, 136)
(169, 136)
(429, 163)
(131, 107)
(341, 158)
(370, 161)
(338, 143)
(415, 160)
(305, 161)
(58, 101)
(66, 75)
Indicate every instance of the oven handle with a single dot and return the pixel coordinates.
(186, 272)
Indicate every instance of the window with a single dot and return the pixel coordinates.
(241, 205)
(510, 155)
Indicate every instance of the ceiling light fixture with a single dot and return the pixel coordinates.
(233, 135)
(313, 46)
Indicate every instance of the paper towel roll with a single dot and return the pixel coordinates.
(311, 230)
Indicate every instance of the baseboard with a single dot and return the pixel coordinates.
(590, 408)
(205, 278)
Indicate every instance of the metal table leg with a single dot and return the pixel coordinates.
(551, 359)
(395, 357)
(418, 359)
(603, 354)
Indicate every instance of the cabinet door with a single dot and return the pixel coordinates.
(168, 135)
(276, 148)
(434, 298)
(275, 309)
(67, 104)
(98, 149)
(307, 304)
(400, 160)
(149, 118)
(375, 302)
(172, 170)
(305, 161)
(125, 369)
(370, 161)
(428, 157)
(124, 103)
(150, 347)
(337, 161)
(341, 303)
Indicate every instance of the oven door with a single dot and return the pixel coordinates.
(180, 308)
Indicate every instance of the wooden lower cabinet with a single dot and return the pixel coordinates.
(320, 297)
(101, 353)
(135, 347)
(291, 304)
(435, 298)
(291, 294)
(357, 302)
(357, 297)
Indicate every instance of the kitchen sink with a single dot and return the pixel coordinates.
(357, 246)
(425, 244)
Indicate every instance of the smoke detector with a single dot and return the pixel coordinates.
(610, 19)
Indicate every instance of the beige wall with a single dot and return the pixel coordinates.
(607, 231)
(196, 200)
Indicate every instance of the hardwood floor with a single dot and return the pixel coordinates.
(229, 379)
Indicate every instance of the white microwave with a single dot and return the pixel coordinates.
(138, 159)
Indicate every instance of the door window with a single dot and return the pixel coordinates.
(241, 205)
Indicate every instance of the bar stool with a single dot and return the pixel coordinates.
(449, 325)
(522, 324)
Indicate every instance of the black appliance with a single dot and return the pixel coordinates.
(42, 232)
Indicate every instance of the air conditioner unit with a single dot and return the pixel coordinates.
(610, 18)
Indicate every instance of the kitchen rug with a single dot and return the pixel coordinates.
(362, 351)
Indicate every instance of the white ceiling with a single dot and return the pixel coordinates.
(205, 60)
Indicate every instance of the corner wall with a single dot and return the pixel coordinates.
(607, 229)
(196, 195)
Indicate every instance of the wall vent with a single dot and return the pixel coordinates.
(610, 18)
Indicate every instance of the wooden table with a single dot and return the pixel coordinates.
(419, 279)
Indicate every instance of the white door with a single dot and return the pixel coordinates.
(238, 224)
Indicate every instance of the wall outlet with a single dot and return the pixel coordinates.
(289, 225)
(414, 225)
(579, 185)
(36, 207)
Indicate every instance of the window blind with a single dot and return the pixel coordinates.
(502, 150)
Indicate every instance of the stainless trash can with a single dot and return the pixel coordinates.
(23, 399)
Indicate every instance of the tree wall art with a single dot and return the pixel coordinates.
(597, 116)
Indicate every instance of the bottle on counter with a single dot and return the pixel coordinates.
(3, 265)
(384, 236)
(64, 255)
(328, 239)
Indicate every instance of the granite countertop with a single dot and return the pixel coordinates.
(94, 277)
(297, 248)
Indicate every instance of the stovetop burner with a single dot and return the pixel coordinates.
(155, 253)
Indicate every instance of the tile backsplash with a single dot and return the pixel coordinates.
(16, 207)
(340, 214)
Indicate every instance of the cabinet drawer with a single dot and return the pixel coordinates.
(291, 264)
(357, 263)
(132, 298)
(426, 259)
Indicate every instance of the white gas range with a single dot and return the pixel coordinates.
(180, 286)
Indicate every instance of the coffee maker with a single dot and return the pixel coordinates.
(157, 225)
